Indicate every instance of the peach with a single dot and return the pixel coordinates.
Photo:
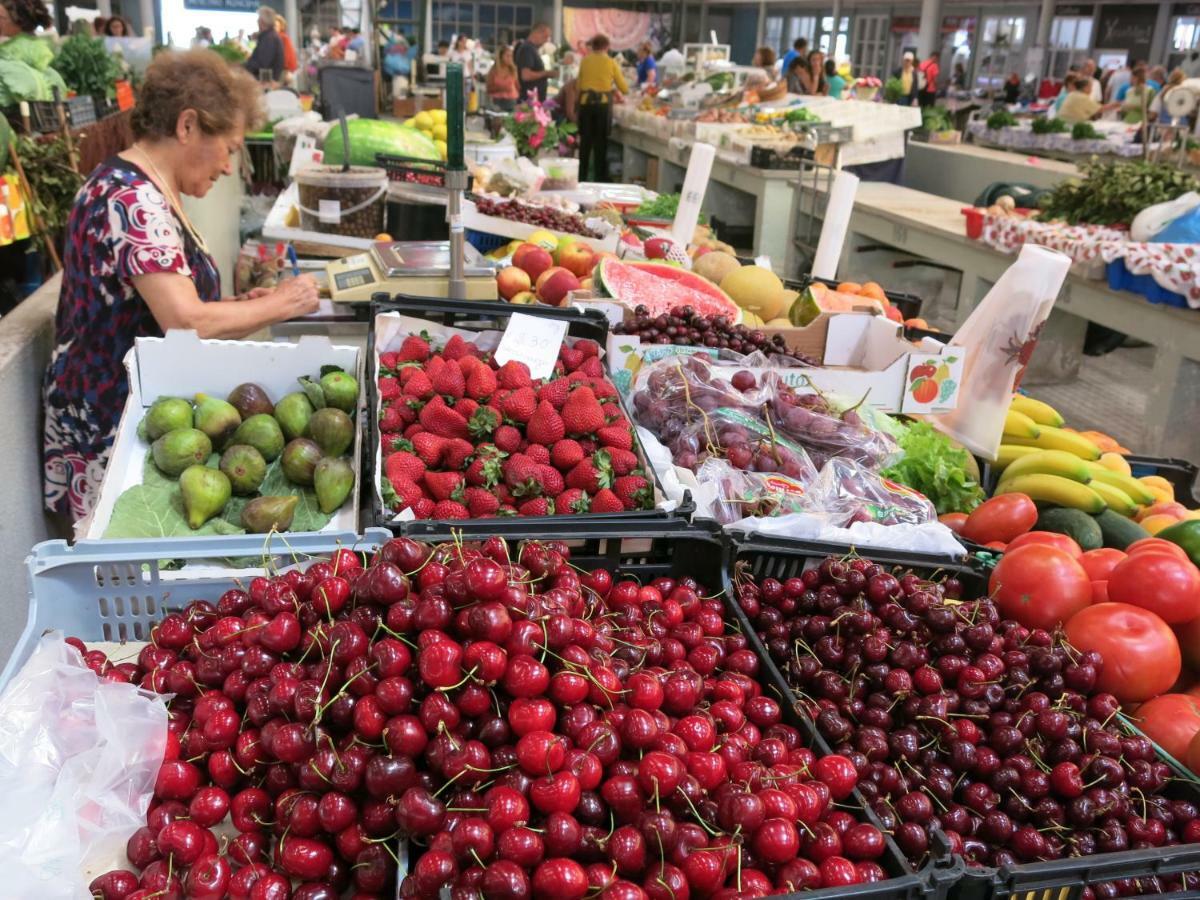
(511, 281)
(554, 284)
(1177, 511)
(533, 259)
(523, 297)
(579, 259)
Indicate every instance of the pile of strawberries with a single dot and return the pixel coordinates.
(466, 438)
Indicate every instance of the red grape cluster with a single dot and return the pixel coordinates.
(534, 730)
(541, 216)
(684, 326)
(960, 720)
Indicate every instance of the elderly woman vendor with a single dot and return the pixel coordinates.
(135, 266)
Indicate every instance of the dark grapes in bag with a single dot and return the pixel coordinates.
(846, 492)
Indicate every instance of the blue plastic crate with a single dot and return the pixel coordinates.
(1121, 279)
(115, 591)
(484, 242)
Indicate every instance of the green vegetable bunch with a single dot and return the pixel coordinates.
(937, 468)
(893, 90)
(1049, 126)
(48, 167)
(801, 114)
(1002, 118)
(231, 52)
(87, 67)
(664, 206)
(1112, 193)
(1084, 131)
(936, 118)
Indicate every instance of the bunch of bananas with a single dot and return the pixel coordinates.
(1050, 464)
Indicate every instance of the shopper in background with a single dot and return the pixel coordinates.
(134, 265)
(461, 53)
(910, 82)
(116, 27)
(1157, 77)
(1068, 86)
(290, 62)
(1136, 97)
(1088, 71)
(812, 75)
(958, 80)
(1012, 88)
(24, 17)
(266, 62)
(599, 78)
(795, 84)
(1119, 79)
(799, 51)
(203, 38)
(929, 69)
(1079, 105)
(647, 68)
(836, 82)
(764, 58)
(531, 69)
(1156, 105)
(502, 81)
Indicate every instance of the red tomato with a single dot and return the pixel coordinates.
(1189, 642)
(1192, 759)
(1099, 591)
(1157, 545)
(1039, 586)
(1159, 583)
(1000, 519)
(953, 521)
(1141, 654)
(998, 546)
(1171, 721)
(1050, 539)
(1100, 563)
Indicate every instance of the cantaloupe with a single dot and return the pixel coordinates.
(755, 289)
(715, 265)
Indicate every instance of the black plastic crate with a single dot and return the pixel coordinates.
(420, 172)
(767, 158)
(43, 114)
(486, 316)
(1181, 473)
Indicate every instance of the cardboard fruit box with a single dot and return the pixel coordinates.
(182, 365)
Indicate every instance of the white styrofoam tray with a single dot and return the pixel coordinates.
(475, 220)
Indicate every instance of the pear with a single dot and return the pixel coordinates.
(167, 414)
(293, 413)
(341, 390)
(300, 458)
(244, 467)
(266, 513)
(178, 449)
(332, 429)
(205, 493)
(333, 479)
(250, 400)
(216, 418)
(263, 433)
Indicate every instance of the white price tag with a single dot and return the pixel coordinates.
(304, 155)
(534, 341)
(329, 212)
(763, 262)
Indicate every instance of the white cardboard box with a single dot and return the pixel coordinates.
(181, 365)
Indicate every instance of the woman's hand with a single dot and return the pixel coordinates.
(298, 296)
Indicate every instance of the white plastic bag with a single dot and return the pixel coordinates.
(1153, 219)
(78, 761)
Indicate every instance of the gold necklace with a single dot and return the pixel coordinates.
(172, 200)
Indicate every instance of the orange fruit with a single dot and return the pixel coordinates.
(874, 291)
(849, 287)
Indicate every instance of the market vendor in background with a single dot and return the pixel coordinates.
(117, 27)
(647, 68)
(1078, 106)
(531, 69)
(833, 78)
(266, 62)
(764, 58)
(599, 77)
(20, 19)
(1136, 97)
(135, 266)
(930, 69)
(502, 81)
(290, 62)
(910, 82)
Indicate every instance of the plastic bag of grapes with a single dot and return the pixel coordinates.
(673, 394)
(812, 419)
(846, 492)
(745, 441)
(741, 494)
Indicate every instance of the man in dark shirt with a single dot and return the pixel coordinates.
(268, 48)
(531, 71)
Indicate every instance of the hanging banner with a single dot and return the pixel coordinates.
(625, 29)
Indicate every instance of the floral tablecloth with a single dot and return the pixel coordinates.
(1023, 138)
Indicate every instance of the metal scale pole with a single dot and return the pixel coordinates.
(456, 177)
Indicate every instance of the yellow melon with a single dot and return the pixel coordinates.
(755, 289)
(715, 265)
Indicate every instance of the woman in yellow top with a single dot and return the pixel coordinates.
(600, 81)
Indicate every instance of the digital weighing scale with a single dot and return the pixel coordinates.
(415, 268)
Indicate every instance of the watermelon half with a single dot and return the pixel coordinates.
(371, 136)
(660, 288)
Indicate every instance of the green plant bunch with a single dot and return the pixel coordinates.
(893, 90)
(1112, 193)
(936, 118)
(87, 67)
(1002, 118)
(1049, 126)
(48, 169)
(231, 52)
(1085, 131)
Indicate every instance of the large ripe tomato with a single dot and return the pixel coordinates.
(1039, 586)
(1189, 642)
(1050, 539)
(1157, 545)
(1000, 519)
(1160, 583)
(1171, 721)
(1100, 592)
(1192, 760)
(954, 521)
(1100, 563)
(1141, 654)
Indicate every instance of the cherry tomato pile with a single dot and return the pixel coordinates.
(957, 717)
(532, 729)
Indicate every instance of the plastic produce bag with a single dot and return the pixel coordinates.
(1149, 224)
(78, 760)
(741, 494)
(1183, 230)
(845, 493)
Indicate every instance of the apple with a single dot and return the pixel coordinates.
(585, 284)
(579, 259)
(533, 259)
(513, 280)
(657, 247)
(523, 297)
(554, 284)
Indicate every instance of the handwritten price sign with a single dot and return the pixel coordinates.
(534, 341)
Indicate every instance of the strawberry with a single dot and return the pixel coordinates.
(450, 509)
(571, 358)
(503, 494)
(442, 484)
(592, 367)
(438, 418)
(587, 346)
(576, 378)
(555, 392)
(387, 361)
(522, 475)
(514, 374)
(603, 388)
(414, 348)
(484, 470)
(572, 500)
(404, 465)
(466, 407)
(566, 455)
(423, 508)
(483, 422)
(551, 479)
(538, 453)
(545, 426)
(519, 405)
(588, 476)
(481, 502)
(412, 429)
(428, 447)
(507, 509)
(506, 437)
(539, 506)
(581, 414)
(403, 493)
(623, 461)
(389, 388)
(406, 373)
(633, 491)
(418, 385)
(456, 453)
(449, 382)
(393, 443)
(481, 382)
(391, 421)
(615, 436)
(612, 411)
(605, 500)
(457, 348)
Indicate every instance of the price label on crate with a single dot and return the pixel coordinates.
(534, 341)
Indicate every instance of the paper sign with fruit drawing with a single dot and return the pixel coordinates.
(932, 383)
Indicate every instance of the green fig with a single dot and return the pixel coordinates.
(250, 400)
(216, 418)
(244, 467)
(205, 493)
(293, 413)
(265, 514)
(299, 462)
(167, 414)
(333, 480)
(332, 429)
(263, 433)
(178, 449)
(341, 390)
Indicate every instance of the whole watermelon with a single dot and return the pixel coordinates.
(371, 136)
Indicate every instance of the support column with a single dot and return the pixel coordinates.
(682, 36)
(703, 22)
(366, 25)
(837, 23)
(149, 19)
(762, 24)
(427, 45)
(931, 27)
(556, 25)
(291, 12)
(1042, 43)
(104, 8)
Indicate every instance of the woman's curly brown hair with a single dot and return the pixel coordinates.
(224, 97)
(28, 15)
